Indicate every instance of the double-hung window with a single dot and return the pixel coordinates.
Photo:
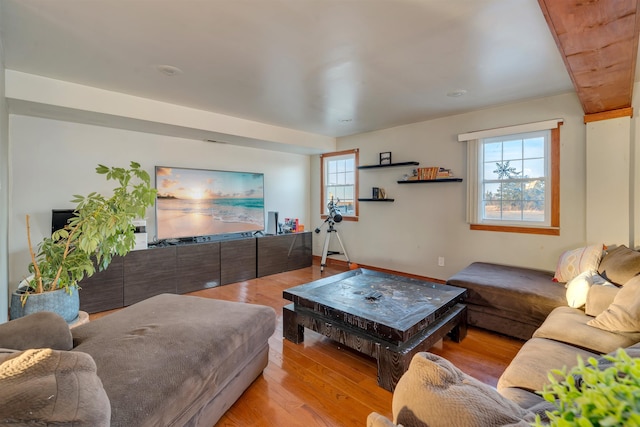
(339, 172)
(514, 181)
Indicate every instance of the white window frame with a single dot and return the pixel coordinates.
(546, 178)
(551, 225)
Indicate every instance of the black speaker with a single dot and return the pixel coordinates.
(272, 222)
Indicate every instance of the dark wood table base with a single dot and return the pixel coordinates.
(393, 360)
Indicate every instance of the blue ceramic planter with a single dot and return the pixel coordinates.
(58, 301)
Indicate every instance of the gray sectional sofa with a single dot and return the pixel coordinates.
(171, 360)
(609, 320)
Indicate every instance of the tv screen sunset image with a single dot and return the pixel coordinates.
(198, 202)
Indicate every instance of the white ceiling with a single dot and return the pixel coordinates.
(331, 67)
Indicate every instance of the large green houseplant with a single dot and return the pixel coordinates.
(100, 228)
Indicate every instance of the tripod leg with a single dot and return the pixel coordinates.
(344, 251)
(325, 250)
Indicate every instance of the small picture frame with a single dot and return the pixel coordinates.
(385, 158)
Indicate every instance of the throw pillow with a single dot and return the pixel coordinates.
(50, 387)
(623, 315)
(572, 263)
(599, 280)
(619, 265)
(578, 288)
(434, 393)
(599, 298)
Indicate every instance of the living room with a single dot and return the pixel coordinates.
(49, 119)
(66, 128)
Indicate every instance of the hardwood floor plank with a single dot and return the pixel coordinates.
(371, 397)
(266, 405)
(319, 383)
(335, 407)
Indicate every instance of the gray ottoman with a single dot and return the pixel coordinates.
(510, 300)
(175, 360)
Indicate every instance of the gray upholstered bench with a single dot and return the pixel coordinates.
(175, 360)
(510, 300)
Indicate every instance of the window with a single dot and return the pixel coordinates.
(514, 184)
(339, 173)
(514, 181)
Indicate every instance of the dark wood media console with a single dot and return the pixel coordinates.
(192, 266)
(278, 255)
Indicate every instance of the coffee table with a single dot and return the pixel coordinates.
(382, 315)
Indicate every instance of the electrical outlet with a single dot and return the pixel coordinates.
(440, 261)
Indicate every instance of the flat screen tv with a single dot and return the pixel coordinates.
(200, 202)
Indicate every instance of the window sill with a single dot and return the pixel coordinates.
(547, 231)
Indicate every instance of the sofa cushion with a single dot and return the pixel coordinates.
(619, 265)
(170, 349)
(572, 263)
(434, 392)
(376, 420)
(599, 298)
(537, 357)
(38, 330)
(623, 314)
(7, 353)
(570, 326)
(524, 398)
(578, 288)
(50, 387)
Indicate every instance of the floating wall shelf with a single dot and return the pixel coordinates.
(430, 180)
(389, 165)
(376, 200)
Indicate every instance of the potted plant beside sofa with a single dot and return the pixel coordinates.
(604, 392)
(100, 229)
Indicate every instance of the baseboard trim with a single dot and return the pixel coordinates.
(338, 263)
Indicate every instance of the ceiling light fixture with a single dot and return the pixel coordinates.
(456, 93)
(169, 70)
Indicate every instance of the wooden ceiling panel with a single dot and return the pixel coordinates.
(598, 40)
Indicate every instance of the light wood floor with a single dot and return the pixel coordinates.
(319, 383)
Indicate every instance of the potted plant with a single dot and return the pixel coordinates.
(603, 393)
(100, 228)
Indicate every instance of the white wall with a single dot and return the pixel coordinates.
(427, 221)
(608, 183)
(52, 160)
(4, 196)
(635, 171)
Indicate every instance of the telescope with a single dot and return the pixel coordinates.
(334, 211)
(333, 216)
